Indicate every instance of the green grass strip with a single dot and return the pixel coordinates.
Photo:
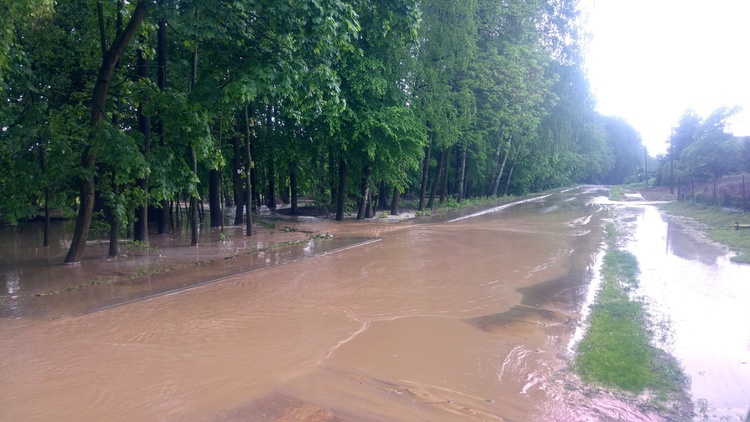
(616, 351)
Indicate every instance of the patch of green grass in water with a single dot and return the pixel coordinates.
(616, 351)
(269, 225)
(616, 193)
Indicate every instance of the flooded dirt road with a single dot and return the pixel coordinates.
(427, 323)
(449, 319)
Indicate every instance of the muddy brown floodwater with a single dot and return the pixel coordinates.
(456, 318)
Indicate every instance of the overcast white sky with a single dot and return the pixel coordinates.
(650, 60)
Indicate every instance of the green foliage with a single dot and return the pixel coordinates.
(18, 14)
(685, 132)
(138, 245)
(366, 84)
(713, 151)
(626, 148)
(702, 148)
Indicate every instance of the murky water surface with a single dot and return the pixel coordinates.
(449, 319)
(705, 299)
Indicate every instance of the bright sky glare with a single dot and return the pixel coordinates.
(650, 60)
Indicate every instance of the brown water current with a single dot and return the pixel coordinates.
(446, 319)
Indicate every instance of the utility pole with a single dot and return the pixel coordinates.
(671, 162)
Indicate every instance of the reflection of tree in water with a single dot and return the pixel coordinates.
(691, 245)
(12, 279)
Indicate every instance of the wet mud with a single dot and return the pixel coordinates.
(465, 317)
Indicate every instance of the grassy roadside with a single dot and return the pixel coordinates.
(616, 351)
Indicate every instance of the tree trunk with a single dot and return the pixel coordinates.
(271, 171)
(194, 167)
(499, 175)
(444, 190)
(248, 178)
(293, 182)
(496, 163)
(214, 202)
(714, 193)
(394, 202)
(193, 202)
(462, 173)
(425, 174)
(114, 221)
(457, 169)
(271, 200)
(227, 199)
(383, 196)
(114, 224)
(284, 190)
(98, 103)
(222, 189)
(239, 194)
(341, 200)
(512, 165)
(201, 209)
(164, 221)
(671, 162)
(140, 230)
(114, 231)
(256, 201)
(43, 164)
(436, 182)
(368, 209)
(332, 175)
(320, 188)
(365, 192)
(46, 216)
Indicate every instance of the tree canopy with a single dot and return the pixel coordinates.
(112, 109)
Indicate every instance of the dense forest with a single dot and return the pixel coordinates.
(120, 111)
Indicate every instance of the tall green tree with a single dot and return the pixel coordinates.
(376, 136)
(443, 81)
(714, 152)
(98, 127)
